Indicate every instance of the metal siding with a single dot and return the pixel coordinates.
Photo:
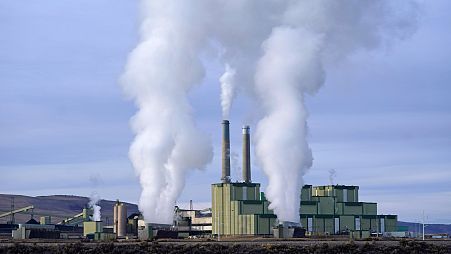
(339, 195)
(303, 222)
(365, 224)
(347, 222)
(319, 224)
(329, 225)
(327, 205)
(352, 209)
(369, 208)
(237, 217)
(309, 209)
(390, 224)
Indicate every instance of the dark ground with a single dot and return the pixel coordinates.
(271, 246)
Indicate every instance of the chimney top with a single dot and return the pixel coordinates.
(246, 129)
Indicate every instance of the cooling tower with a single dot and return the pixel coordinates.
(225, 152)
(246, 155)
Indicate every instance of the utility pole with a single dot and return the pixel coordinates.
(12, 209)
(423, 225)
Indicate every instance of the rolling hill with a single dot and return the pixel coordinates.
(58, 207)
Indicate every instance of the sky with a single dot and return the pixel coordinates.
(382, 121)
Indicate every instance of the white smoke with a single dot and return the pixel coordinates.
(275, 51)
(332, 175)
(159, 74)
(291, 61)
(310, 35)
(227, 90)
(94, 201)
(235, 165)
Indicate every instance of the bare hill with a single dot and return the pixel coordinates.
(57, 206)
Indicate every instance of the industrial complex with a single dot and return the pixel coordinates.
(238, 208)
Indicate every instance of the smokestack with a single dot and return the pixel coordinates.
(246, 155)
(225, 152)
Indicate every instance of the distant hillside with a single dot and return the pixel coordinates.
(57, 206)
(429, 228)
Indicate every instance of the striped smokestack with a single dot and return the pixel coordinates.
(225, 152)
(246, 155)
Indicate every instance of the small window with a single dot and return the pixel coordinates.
(357, 223)
(382, 225)
(337, 225)
(310, 224)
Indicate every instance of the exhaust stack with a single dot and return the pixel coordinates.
(246, 155)
(225, 152)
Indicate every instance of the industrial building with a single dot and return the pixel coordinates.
(78, 226)
(191, 222)
(336, 209)
(239, 208)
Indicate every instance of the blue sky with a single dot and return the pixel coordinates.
(382, 120)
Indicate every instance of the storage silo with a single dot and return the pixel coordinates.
(115, 217)
(120, 219)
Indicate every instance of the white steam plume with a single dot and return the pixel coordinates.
(94, 201)
(277, 51)
(159, 74)
(235, 165)
(311, 34)
(332, 175)
(227, 90)
(289, 67)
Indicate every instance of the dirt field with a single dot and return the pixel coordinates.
(267, 246)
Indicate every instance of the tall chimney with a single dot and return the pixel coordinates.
(246, 155)
(225, 152)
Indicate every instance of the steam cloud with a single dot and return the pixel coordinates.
(160, 72)
(275, 51)
(94, 205)
(310, 35)
(227, 90)
(332, 175)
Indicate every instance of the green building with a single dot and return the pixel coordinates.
(335, 209)
(240, 209)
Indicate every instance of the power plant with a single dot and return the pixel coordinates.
(241, 209)
(238, 208)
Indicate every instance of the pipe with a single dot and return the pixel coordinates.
(225, 152)
(246, 155)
